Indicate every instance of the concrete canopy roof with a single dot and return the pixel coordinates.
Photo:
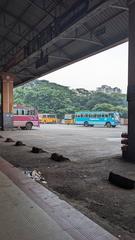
(38, 37)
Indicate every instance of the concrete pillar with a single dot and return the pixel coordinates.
(131, 84)
(6, 101)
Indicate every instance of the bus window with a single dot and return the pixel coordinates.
(106, 115)
(22, 112)
(25, 112)
(111, 115)
(19, 111)
(52, 116)
(98, 115)
(32, 112)
(103, 115)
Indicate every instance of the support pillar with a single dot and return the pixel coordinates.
(6, 101)
(131, 84)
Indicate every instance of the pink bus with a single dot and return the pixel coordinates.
(25, 117)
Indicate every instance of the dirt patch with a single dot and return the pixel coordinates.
(85, 186)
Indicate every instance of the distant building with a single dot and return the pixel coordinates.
(108, 89)
(117, 90)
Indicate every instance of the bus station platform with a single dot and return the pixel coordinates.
(29, 211)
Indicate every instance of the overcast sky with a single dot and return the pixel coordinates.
(109, 67)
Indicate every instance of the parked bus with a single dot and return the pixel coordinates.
(108, 119)
(47, 118)
(69, 119)
(25, 117)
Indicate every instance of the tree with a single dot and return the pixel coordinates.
(53, 98)
(103, 107)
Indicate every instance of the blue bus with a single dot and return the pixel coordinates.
(107, 119)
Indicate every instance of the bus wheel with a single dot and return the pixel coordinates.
(108, 124)
(28, 126)
(113, 126)
(86, 124)
(91, 125)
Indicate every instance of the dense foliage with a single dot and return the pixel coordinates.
(53, 98)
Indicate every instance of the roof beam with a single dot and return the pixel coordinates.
(63, 51)
(91, 30)
(38, 7)
(4, 5)
(119, 7)
(14, 32)
(81, 40)
(9, 40)
(131, 2)
(18, 19)
(32, 28)
(58, 57)
(90, 14)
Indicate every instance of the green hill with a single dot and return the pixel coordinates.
(53, 98)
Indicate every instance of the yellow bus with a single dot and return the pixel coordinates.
(47, 118)
(69, 119)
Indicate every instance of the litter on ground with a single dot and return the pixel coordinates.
(35, 175)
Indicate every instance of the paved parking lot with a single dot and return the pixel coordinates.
(74, 142)
(83, 181)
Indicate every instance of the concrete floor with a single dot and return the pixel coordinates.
(22, 219)
(79, 144)
(29, 212)
(75, 142)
